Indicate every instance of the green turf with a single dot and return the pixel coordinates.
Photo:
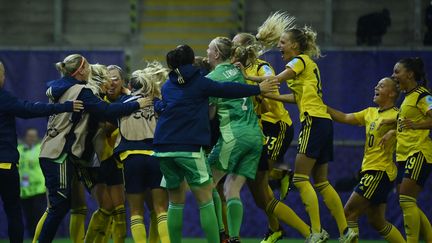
(203, 240)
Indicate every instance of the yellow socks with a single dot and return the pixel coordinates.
(309, 199)
(411, 217)
(334, 204)
(138, 229)
(354, 226)
(288, 216)
(391, 234)
(163, 228)
(273, 221)
(98, 225)
(76, 224)
(39, 226)
(153, 229)
(108, 231)
(119, 224)
(425, 227)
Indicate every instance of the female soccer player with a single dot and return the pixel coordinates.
(277, 127)
(378, 170)
(64, 142)
(238, 149)
(9, 177)
(413, 150)
(315, 148)
(135, 149)
(183, 130)
(94, 175)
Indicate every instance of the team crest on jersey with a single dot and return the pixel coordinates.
(372, 126)
(429, 102)
(267, 70)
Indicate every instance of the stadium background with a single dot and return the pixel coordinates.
(36, 34)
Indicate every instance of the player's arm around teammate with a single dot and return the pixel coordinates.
(11, 108)
(181, 133)
(378, 171)
(238, 150)
(298, 47)
(59, 145)
(278, 130)
(135, 149)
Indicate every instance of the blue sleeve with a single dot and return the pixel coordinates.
(228, 89)
(104, 110)
(26, 109)
(159, 105)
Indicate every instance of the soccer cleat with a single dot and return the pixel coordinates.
(234, 240)
(321, 237)
(224, 238)
(271, 237)
(286, 184)
(349, 236)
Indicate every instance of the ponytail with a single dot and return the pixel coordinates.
(70, 65)
(306, 38)
(149, 80)
(273, 27)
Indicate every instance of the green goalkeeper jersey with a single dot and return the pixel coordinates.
(236, 116)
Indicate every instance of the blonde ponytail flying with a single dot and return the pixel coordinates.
(273, 27)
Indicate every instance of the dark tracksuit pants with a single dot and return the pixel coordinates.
(58, 178)
(10, 195)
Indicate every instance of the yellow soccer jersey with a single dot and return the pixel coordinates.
(409, 141)
(267, 109)
(306, 87)
(375, 157)
(109, 141)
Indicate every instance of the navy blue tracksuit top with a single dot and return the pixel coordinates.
(12, 107)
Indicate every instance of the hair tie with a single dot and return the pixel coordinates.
(80, 66)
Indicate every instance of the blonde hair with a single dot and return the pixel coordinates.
(227, 50)
(224, 46)
(306, 38)
(70, 65)
(252, 49)
(149, 80)
(98, 77)
(273, 27)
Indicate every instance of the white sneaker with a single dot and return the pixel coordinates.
(349, 236)
(321, 237)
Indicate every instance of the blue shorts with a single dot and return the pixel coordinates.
(141, 172)
(316, 139)
(278, 138)
(108, 173)
(374, 185)
(415, 168)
